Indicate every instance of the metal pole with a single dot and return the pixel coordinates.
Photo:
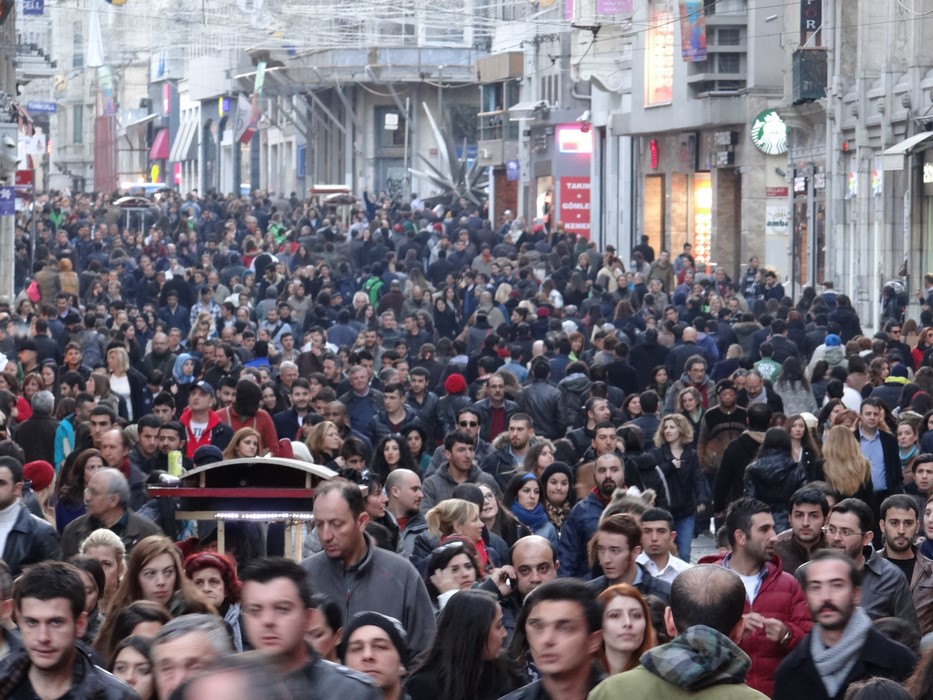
(405, 162)
(811, 227)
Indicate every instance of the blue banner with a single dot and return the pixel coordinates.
(7, 201)
(33, 7)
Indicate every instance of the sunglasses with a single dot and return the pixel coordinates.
(448, 547)
(468, 423)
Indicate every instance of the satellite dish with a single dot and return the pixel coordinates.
(59, 82)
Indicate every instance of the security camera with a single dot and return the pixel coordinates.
(585, 117)
(8, 155)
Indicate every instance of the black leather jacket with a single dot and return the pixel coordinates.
(91, 682)
(30, 541)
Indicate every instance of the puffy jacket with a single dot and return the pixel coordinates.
(541, 401)
(95, 684)
(30, 541)
(773, 478)
(379, 425)
(574, 391)
(779, 596)
(575, 534)
(683, 488)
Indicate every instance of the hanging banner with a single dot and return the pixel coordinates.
(692, 31)
(614, 8)
(33, 7)
(260, 77)
(575, 204)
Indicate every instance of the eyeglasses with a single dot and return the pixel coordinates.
(468, 423)
(895, 331)
(489, 496)
(844, 531)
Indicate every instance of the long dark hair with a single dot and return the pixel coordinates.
(456, 655)
(776, 440)
(405, 461)
(792, 374)
(808, 442)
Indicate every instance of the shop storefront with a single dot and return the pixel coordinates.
(560, 183)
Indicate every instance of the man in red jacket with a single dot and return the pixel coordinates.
(202, 424)
(776, 613)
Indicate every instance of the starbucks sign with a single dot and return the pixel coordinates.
(769, 133)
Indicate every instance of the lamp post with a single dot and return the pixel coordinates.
(8, 162)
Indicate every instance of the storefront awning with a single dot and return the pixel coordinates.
(895, 157)
(182, 148)
(139, 124)
(159, 150)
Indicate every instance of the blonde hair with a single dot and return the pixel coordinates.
(315, 440)
(454, 511)
(105, 538)
(683, 425)
(845, 467)
(124, 357)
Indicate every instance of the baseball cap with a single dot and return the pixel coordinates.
(203, 386)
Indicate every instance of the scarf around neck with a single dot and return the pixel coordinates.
(532, 519)
(835, 663)
(699, 658)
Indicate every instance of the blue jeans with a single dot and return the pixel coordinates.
(684, 538)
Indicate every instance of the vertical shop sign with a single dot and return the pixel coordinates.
(575, 204)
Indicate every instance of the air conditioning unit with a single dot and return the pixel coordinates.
(809, 75)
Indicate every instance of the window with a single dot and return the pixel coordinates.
(394, 135)
(729, 37)
(77, 124)
(729, 63)
(77, 57)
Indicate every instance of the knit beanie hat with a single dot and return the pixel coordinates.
(40, 473)
(455, 384)
(389, 625)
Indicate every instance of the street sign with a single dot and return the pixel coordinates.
(24, 177)
(42, 107)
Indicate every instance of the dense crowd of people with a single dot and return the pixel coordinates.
(524, 437)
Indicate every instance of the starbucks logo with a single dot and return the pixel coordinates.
(769, 133)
